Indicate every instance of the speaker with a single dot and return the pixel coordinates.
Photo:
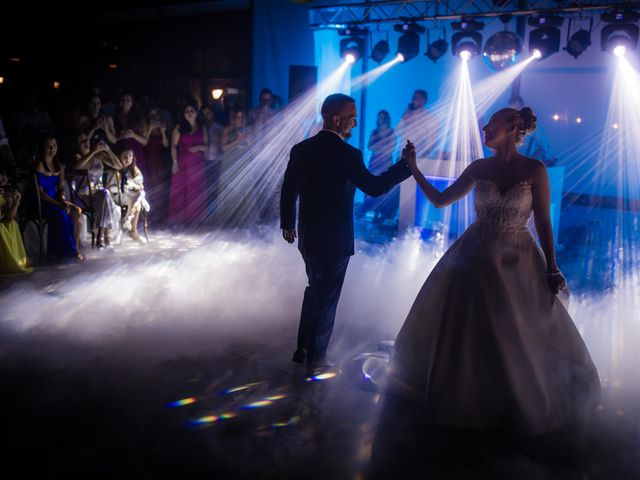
(301, 79)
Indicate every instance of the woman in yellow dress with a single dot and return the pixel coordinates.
(13, 258)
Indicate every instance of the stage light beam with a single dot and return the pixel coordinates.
(620, 51)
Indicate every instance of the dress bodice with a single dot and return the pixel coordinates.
(49, 183)
(190, 139)
(503, 212)
(95, 170)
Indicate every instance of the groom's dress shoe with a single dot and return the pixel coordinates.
(299, 356)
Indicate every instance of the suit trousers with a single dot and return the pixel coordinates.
(326, 277)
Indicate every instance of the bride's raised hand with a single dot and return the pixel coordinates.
(409, 154)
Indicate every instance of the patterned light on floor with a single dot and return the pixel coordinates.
(240, 388)
(182, 402)
(320, 377)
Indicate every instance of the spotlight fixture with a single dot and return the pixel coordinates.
(469, 42)
(351, 48)
(352, 45)
(546, 36)
(619, 51)
(620, 32)
(579, 41)
(502, 50)
(380, 51)
(436, 49)
(409, 41)
(468, 37)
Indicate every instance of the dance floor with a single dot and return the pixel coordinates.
(172, 360)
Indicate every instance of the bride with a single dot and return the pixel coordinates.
(487, 344)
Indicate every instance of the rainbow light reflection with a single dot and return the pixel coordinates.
(209, 419)
(292, 421)
(240, 388)
(320, 377)
(264, 402)
(182, 402)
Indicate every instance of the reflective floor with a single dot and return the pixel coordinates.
(172, 360)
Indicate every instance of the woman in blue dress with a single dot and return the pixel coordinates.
(60, 214)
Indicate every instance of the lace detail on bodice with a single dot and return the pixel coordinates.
(506, 213)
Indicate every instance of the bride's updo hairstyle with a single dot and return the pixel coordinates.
(524, 120)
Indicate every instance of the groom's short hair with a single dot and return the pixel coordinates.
(334, 104)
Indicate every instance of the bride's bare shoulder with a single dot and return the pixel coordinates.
(477, 166)
(534, 165)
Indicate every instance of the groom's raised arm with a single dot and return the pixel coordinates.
(375, 185)
(289, 193)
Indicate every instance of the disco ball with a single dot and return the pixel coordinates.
(501, 50)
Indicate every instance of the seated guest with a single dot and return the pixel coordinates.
(60, 214)
(106, 212)
(13, 258)
(131, 194)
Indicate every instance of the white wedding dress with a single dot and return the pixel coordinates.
(486, 344)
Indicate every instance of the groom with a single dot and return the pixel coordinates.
(324, 171)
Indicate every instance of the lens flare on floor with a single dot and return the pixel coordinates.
(320, 377)
(182, 402)
(240, 388)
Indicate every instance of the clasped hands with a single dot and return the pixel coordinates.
(409, 155)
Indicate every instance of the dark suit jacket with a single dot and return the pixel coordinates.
(324, 172)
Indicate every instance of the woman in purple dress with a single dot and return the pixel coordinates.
(158, 166)
(187, 200)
